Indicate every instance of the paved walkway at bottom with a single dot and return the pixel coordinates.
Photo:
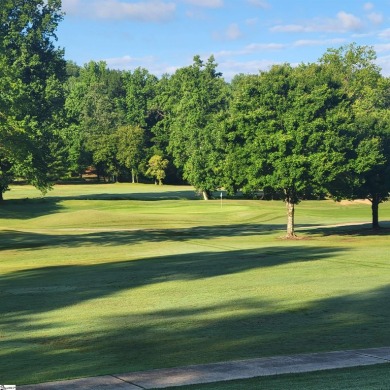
(217, 372)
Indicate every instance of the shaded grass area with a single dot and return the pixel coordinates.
(90, 287)
(367, 378)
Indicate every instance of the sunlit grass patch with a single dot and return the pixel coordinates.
(91, 286)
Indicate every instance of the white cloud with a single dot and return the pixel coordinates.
(368, 6)
(70, 6)
(250, 49)
(125, 62)
(254, 47)
(259, 3)
(231, 68)
(146, 11)
(290, 28)
(384, 64)
(349, 22)
(344, 22)
(385, 34)
(319, 42)
(233, 32)
(152, 64)
(251, 21)
(382, 47)
(375, 18)
(206, 3)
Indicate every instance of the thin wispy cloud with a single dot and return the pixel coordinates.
(251, 49)
(259, 3)
(382, 47)
(385, 34)
(206, 3)
(231, 33)
(231, 68)
(151, 63)
(384, 63)
(344, 22)
(70, 6)
(147, 11)
(251, 21)
(319, 42)
(254, 47)
(375, 18)
(127, 61)
(368, 6)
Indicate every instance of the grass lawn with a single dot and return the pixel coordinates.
(98, 279)
(367, 378)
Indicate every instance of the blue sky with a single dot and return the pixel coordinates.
(243, 35)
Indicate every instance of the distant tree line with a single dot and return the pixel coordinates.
(311, 131)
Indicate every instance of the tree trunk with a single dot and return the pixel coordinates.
(375, 211)
(1, 196)
(205, 195)
(132, 176)
(290, 219)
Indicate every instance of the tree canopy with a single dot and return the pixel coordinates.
(32, 72)
(293, 132)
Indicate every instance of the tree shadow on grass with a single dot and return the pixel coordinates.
(15, 239)
(131, 342)
(36, 350)
(352, 230)
(238, 329)
(27, 208)
(50, 288)
(32, 208)
(142, 196)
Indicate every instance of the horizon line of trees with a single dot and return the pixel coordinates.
(310, 131)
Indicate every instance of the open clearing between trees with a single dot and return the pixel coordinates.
(99, 279)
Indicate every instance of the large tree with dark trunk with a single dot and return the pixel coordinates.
(367, 173)
(289, 124)
(32, 71)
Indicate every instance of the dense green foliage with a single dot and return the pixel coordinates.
(298, 133)
(290, 139)
(32, 72)
(294, 133)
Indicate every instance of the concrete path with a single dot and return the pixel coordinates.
(217, 372)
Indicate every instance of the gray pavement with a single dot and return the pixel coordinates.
(217, 372)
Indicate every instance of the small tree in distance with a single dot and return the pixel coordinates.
(131, 147)
(156, 168)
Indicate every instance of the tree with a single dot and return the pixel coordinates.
(368, 95)
(131, 148)
(32, 71)
(140, 91)
(94, 112)
(193, 116)
(156, 168)
(285, 119)
(240, 127)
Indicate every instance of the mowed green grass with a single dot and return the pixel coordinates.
(99, 279)
(367, 378)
